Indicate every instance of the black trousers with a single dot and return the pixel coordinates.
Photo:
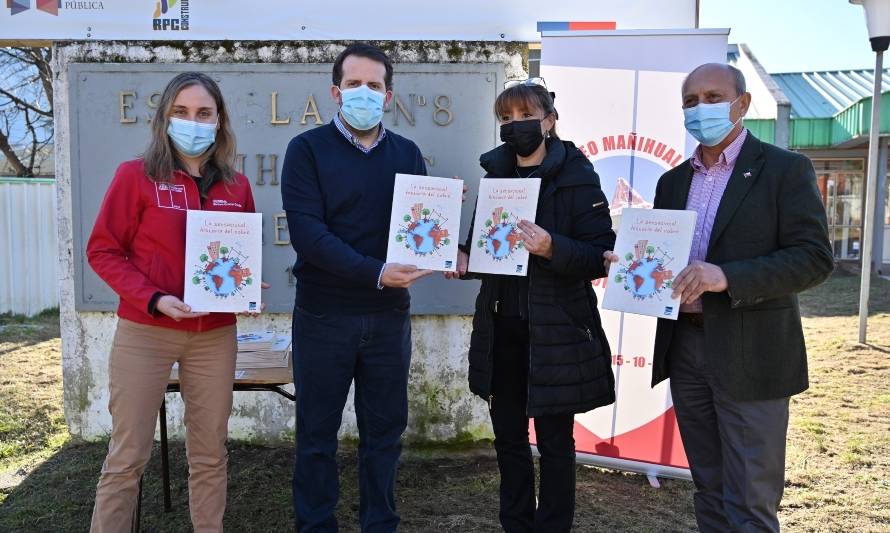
(556, 499)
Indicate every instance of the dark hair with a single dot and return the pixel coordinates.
(161, 159)
(527, 97)
(363, 50)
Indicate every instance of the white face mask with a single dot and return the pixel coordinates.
(191, 138)
(710, 123)
(362, 107)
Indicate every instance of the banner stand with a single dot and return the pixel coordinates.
(618, 93)
(651, 471)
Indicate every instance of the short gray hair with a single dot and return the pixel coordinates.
(740, 86)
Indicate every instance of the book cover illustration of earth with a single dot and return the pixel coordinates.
(500, 237)
(644, 273)
(222, 271)
(424, 231)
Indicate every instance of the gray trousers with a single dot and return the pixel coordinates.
(736, 450)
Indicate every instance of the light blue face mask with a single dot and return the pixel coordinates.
(361, 107)
(710, 123)
(191, 138)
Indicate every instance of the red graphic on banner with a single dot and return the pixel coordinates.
(656, 442)
(595, 25)
(635, 143)
(626, 196)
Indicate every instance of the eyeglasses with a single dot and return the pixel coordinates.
(530, 81)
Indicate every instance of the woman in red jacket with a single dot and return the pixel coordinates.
(138, 247)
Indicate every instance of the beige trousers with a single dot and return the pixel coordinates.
(139, 368)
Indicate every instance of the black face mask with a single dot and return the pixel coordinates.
(523, 136)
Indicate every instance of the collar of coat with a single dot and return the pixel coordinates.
(563, 166)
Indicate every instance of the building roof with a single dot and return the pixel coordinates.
(765, 94)
(823, 94)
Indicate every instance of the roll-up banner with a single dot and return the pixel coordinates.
(618, 97)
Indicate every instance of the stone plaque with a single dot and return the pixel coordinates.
(445, 108)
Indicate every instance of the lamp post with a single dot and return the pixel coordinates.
(877, 19)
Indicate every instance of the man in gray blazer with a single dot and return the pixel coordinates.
(737, 352)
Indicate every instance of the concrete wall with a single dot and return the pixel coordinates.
(441, 407)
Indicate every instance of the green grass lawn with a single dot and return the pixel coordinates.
(837, 467)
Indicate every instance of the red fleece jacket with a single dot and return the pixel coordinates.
(138, 242)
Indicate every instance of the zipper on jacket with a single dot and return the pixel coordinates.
(192, 186)
(491, 357)
(528, 381)
(580, 326)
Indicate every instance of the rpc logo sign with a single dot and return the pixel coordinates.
(171, 22)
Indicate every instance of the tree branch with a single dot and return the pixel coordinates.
(11, 157)
(25, 72)
(19, 102)
(33, 141)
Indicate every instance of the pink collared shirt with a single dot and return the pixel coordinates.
(705, 193)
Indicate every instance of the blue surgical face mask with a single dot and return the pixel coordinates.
(191, 138)
(361, 107)
(710, 123)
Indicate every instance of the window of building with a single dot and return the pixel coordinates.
(840, 182)
(534, 61)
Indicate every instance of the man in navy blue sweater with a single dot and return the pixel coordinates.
(351, 315)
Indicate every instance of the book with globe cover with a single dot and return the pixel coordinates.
(653, 246)
(497, 246)
(425, 222)
(223, 261)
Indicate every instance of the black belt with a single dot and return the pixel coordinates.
(693, 319)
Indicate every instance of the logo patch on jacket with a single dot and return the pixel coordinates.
(226, 203)
(172, 196)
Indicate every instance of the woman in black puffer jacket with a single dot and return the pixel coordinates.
(538, 349)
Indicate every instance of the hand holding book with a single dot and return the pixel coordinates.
(537, 240)
(175, 308)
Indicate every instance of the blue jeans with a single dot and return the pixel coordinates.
(330, 351)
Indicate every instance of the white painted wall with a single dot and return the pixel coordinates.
(28, 246)
(440, 405)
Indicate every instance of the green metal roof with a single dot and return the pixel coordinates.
(823, 94)
(849, 124)
(831, 108)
